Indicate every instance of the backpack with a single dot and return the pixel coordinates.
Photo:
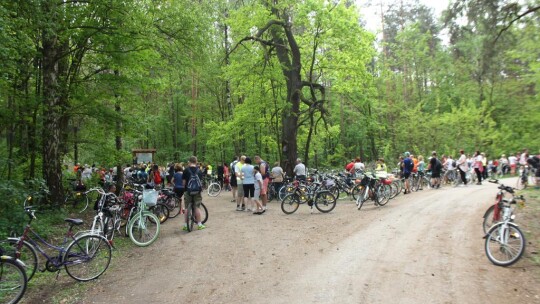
(438, 165)
(194, 185)
(233, 165)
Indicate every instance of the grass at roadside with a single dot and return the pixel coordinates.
(528, 219)
(54, 287)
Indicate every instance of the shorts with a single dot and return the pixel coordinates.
(537, 174)
(249, 190)
(193, 199)
(265, 186)
(435, 174)
(257, 194)
(233, 181)
(406, 175)
(240, 191)
(179, 192)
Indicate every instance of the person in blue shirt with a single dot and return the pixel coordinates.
(408, 166)
(248, 174)
(177, 182)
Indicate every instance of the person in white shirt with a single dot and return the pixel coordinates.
(478, 166)
(512, 160)
(357, 168)
(86, 173)
(300, 170)
(462, 166)
(258, 186)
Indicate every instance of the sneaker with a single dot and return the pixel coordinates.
(238, 208)
(243, 208)
(184, 228)
(201, 227)
(232, 201)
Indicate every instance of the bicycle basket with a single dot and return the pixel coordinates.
(150, 197)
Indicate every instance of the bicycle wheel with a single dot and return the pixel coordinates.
(173, 204)
(190, 217)
(144, 228)
(505, 244)
(489, 218)
(161, 211)
(214, 189)
(325, 201)
(87, 257)
(13, 280)
(285, 190)
(357, 189)
(383, 194)
(28, 255)
(290, 203)
(204, 213)
(521, 183)
(361, 198)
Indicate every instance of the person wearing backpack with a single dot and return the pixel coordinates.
(232, 178)
(435, 166)
(408, 166)
(192, 190)
(178, 182)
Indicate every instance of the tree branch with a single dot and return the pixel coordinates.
(529, 11)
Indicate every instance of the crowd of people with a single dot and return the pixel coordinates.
(248, 179)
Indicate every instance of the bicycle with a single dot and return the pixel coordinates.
(504, 241)
(377, 189)
(313, 195)
(143, 226)
(13, 279)
(214, 187)
(526, 177)
(191, 215)
(85, 252)
(494, 213)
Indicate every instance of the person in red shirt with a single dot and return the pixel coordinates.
(349, 166)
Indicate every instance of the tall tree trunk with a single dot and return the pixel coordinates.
(52, 102)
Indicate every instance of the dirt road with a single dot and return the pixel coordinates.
(425, 247)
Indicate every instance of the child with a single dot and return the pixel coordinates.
(258, 186)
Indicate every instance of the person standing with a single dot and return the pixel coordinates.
(220, 173)
(462, 166)
(258, 184)
(478, 166)
(512, 160)
(358, 168)
(408, 166)
(435, 166)
(300, 171)
(232, 178)
(265, 173)
(240, 182)
(277, 177)
(178, 183)
(248, 183)
(192, 198)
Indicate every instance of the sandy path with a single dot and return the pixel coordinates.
(425, 247)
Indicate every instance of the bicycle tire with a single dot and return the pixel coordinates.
(85, 253)
(13, 280)
(161, 211)
(285, 190)
(383, 195)
(204, 213)
(214, 189)
(520, 185)
(174, 207)
(325, 201)
(290, 203)
(144, 229)
(488, 221)
(360, 200)
(356, 191)
(190, 217)
(501, 250)
(28, 255)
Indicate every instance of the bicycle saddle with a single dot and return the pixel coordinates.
(75, 222)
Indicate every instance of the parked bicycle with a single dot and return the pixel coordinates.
(84, 255)
(13, 279)
(312, 194)
(504, 241)
(374, 188)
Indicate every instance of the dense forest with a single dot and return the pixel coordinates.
(88, 81)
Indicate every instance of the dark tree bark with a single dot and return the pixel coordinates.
(52, 102)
